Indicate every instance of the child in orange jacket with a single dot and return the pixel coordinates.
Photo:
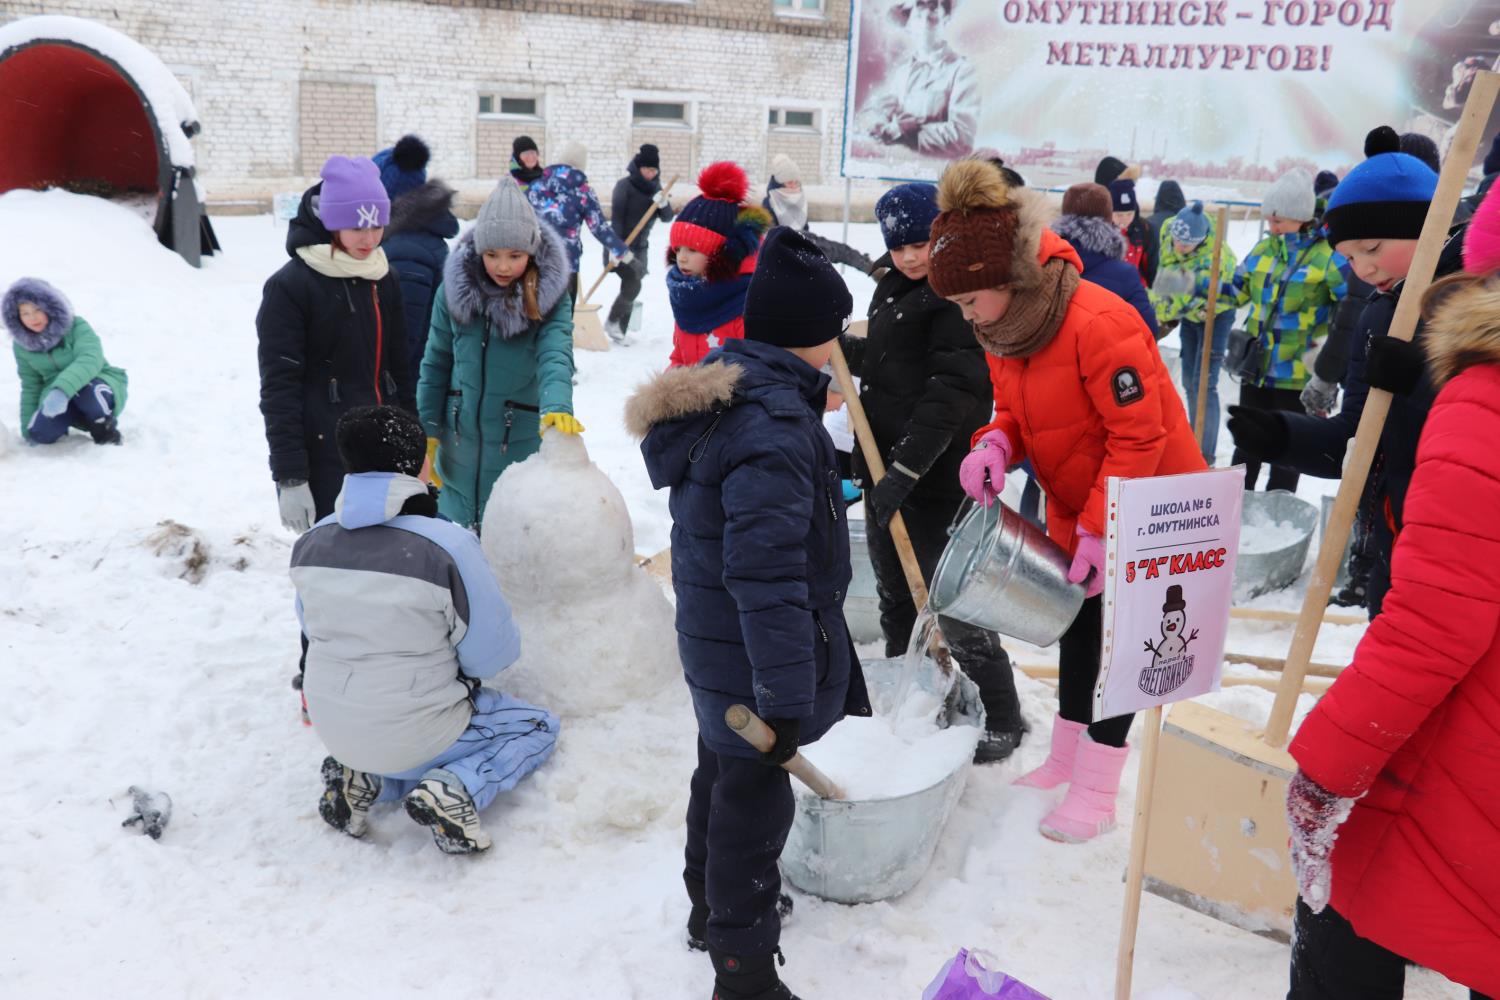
(711, 255)
(1081, 391)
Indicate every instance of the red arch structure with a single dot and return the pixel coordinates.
(74, 117)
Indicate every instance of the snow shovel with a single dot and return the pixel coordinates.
(754, 731)
(588, 331)
(914, 579)
(1220, 844)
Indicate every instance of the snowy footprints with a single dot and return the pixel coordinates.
(441, 803)
(347, 797)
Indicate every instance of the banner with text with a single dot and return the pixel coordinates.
(1170, 559)
(1227, 93)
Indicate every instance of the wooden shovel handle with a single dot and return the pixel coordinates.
(754, 731)
(1378, 404)
(650, 214)
(909, 565)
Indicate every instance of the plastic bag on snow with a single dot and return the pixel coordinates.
(968, 976)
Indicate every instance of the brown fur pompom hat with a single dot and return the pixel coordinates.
(987, 235)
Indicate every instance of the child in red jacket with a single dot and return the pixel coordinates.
(709, 261)
(1395, 808)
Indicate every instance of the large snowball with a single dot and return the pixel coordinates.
(597, 633)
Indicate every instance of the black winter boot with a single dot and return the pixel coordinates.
(697, 922)
(105, 432)
(748, 977)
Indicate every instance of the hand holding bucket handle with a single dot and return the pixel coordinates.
(754, 731)
(982, 474)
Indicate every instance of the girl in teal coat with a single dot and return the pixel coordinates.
(498, 369)
(65, 381)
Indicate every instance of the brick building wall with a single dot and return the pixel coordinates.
(281, 84)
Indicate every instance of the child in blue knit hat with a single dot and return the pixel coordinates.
(1374, 218)
(926, 391)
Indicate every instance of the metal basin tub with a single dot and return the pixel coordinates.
(862, 603)
(1276, 530)
(864, 851)
(1003, 573)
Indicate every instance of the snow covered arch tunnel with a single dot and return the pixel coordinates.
(85, 108)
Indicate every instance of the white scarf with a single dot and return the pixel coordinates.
(332, 263)
(790, 209)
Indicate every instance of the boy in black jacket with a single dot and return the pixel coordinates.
(926, 390)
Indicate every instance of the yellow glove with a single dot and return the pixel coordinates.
(565, 422)
(431, 467)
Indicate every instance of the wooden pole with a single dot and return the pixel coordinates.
(1289, 617)
(909, 565)
(1378, 404)
(754, 731)
(650, 214)
(1206, 361)
(1135, 875)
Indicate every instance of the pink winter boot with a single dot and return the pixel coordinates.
(1058, 767)
(1089, 807)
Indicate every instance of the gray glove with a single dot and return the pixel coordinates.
(661, 200)
(1174, 281)
(1319, 397)
(625, 259)
(297, 507)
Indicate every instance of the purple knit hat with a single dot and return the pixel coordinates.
(352, 195)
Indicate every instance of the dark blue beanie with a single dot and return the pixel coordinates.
(403, 167)
(1122, 195)
(795, 298)
(1325, 182)
(905, 213)
(1385, 197)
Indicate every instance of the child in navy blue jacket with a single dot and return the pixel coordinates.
(760, 565)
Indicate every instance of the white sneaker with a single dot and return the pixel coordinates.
(441, 802)
(616, 333)
(347, 797)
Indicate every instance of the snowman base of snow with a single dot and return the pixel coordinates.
(597, 633)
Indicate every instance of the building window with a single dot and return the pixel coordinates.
(799, 8)
(509, 106)
(789, 119)
(658, 113)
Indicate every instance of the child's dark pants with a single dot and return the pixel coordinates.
(739, 813)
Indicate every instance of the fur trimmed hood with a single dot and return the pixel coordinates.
(679, 393)
(470, 292)
(1091, 235)
(427, 207)
(1464, 330)
(45, 297)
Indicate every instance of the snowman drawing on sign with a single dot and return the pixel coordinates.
(1171, 665)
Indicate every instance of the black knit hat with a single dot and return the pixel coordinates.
(381, 439)
(795, 298)
(649, 156)
(523, 144)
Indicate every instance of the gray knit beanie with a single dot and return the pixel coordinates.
(507, 221)
(1290, 197)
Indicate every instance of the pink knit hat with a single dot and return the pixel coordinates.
(1482, 238)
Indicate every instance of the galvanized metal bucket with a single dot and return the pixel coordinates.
(1003, 573)
(864, 851)
(1257, 573)
(862, 603)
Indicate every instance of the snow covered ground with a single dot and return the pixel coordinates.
(138, 654)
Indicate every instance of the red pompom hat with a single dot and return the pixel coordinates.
(718, 223)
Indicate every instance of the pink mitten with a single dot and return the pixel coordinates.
(982, 474)
(1314, 814)
(1088, 563)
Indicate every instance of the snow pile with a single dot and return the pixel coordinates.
(166, 98)
(868, 759)
(1260, 535)
(597, 632)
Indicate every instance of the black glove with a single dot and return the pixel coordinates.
(1393, 365)
(1261, 434)
(788, 738)
(889, 494)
